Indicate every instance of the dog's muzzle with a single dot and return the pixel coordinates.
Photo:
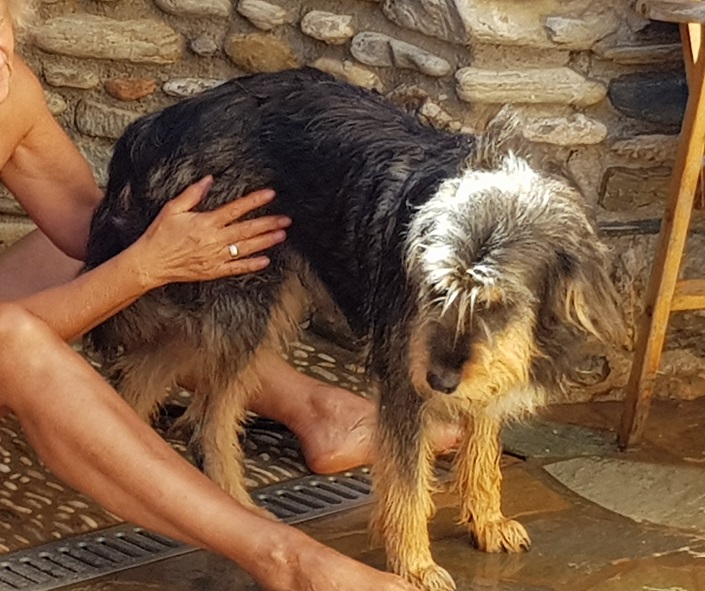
(446, 383)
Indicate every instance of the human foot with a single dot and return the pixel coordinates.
(337, 432)
(335, 428)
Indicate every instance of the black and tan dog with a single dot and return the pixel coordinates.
(469, 273)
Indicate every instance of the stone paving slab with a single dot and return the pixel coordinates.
(671, 495)
(541, 438)
(655, 576)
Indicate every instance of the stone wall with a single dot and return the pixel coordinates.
(600, 90)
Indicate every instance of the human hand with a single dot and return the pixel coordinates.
(182, 245)
(312, 566)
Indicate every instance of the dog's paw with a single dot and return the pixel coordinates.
(431, 578)
(504, 535)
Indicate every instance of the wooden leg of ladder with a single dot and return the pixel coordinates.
(691, 36)
(676, 220)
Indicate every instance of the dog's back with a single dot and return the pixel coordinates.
(346, 165)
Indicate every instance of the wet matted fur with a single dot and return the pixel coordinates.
(468, 273)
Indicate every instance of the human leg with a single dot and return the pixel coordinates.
(88, 436)
(32, 264)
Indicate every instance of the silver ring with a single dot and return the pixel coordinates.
(233, 250)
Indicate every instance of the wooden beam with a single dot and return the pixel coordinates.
(691, 34)
(672, 11)
(689, 295)
(651, 332)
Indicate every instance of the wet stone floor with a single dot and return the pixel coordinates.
(600, 520)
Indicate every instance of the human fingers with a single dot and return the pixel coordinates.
(251, 228)
(191, 196)
(245, 266)
(234, 210)
(240, 249)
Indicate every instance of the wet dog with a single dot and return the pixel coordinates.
(469, 274)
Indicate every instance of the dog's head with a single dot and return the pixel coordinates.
(510, 274)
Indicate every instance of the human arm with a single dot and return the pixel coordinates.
(52, 181)
(180, 245)
(42, 167)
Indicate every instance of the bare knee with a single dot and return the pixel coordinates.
(24, 344)
(19, 331)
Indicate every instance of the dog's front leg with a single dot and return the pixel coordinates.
(479, 482)
(403, 480)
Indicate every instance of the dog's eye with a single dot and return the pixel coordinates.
(495, 318)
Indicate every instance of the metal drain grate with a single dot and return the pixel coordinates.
(85, 557)
(119, 548)
(316, 496)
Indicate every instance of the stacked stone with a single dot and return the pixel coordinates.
(600, 91)
(574, 69)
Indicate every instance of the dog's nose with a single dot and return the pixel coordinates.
(446, 383)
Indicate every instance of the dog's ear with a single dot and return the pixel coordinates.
(580, 292)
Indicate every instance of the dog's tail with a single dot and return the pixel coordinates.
(500, 138)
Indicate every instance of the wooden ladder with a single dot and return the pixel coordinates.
(665, 292)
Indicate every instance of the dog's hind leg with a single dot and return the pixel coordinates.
(144, 379)
(403, 482)
(478, 479)
(218, 432)
(225, 391)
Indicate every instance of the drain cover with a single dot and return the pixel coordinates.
(85, 557)
(316, 496)
(93, 555)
